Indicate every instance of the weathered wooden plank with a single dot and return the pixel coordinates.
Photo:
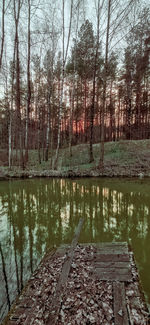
(106, 244)
(62, 249)
(12, 322)
(107, 250)
(18, 312)
(56, 303)
(27, 304)
(113, 274)
(25, 301)
(114, 245)
(112, 270)
(77, 234)
(20, 309)
(14, 318)
(112, 264)
(111, 257)
(28, 294)
(120, 309)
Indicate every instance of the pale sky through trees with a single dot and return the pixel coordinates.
(43, 12)
(46, 16)
(111, 30)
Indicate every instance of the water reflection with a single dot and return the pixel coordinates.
(38, 214)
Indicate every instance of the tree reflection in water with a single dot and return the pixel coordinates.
(36, 215)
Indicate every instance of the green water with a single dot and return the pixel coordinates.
(38, 214)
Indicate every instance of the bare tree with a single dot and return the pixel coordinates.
(73, 86)
(97, 47)
(11, 110)
(28, 82)
(19, 137)
(2, 33)
(50, 80)
(64, 58)
(101, 162)
(49, 67)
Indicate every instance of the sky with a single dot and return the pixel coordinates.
(47, 15)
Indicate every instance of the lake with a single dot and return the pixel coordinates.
(38, 214)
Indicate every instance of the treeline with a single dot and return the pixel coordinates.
(70, 79)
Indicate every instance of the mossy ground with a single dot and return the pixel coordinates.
(122, 158)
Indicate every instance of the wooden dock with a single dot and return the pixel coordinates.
(83, 284)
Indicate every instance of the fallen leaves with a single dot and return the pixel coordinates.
(90, 300)
(136, 306)
(86, 299)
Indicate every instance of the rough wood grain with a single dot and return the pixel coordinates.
(120, 246)
(114, 243)
(112, 264)
(120, 309)
(18, 313)
(111, 257)
(56, 303)
(113, 274)
(113, 250)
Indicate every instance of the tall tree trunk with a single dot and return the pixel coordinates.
(92, 108)
(10, 113)
(73, 91)
(48, 125)
(59, 122)
(138, 111)
(118, 122)
(65, 53)
(19, 134)
(52, 129)
(111, 135)
(71, 120)
(128, 111)
(85, 112)
(39, 135)
(3, 33)
(92, 118)
(101, 162)
(61, 92)
(10, 138)
(28, 85)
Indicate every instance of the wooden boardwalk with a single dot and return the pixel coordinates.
(110, 262)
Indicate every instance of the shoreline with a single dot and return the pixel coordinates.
(70, 173)
(126, 158)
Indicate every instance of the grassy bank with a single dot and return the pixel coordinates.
(122, 158)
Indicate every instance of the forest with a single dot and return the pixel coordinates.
(72, 72)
